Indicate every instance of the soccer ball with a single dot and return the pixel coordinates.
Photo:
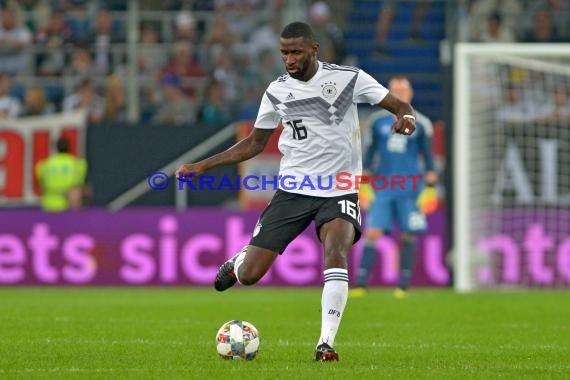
(237, 340)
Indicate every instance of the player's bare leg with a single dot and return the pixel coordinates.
(247, 267)
(337, 237)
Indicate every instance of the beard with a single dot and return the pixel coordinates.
(302, 71)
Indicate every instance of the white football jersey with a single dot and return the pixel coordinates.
(321, 136)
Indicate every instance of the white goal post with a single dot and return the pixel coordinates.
(511, 174)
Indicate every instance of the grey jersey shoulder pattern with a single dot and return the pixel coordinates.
(316, 106)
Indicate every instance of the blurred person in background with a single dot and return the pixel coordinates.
(185, 27)
(225, 70)
(10, 107)
(240, 16)
(329, 35)
(513, 108)
(264, 70)
(183, 65)
(480, 10)
(559, 14)
(36, 103)
(150, 100)
(177, 109)
(543, 29)
(79, 16)
(82, 64)
(15, 43)
(151, 55)
(100, 40)
(518, 107)
(561, 104)
(391, 155)
(560, 109)
(34, 14)
(52, 38)
(264, 39)
(496, 30)
(61, 178)
(219, 36)
(214, 111)
(115, 100)
(86, 97)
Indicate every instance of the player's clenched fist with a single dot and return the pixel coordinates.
(404, 125)
(186, 170)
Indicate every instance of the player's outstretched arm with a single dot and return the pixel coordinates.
(406, 123)
(245, 149)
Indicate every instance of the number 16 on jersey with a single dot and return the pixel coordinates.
(351, 209)
(299, 130)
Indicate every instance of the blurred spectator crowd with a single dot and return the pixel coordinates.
(196, 61)
(519, 20)
(533, 96)
(526, 95)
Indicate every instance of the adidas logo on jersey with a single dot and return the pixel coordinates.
(289, 97)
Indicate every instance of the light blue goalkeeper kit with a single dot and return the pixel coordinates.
(398, 159)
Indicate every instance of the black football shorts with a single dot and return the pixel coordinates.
(289, 214)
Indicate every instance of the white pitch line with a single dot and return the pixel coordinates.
(97, 341)
(74, 369)
(431, 346)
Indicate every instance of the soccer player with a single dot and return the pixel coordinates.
(316, 102)
(398, 156)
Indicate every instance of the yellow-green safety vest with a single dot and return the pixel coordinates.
(57, 175)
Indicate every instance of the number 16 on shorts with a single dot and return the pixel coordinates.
(350, 208)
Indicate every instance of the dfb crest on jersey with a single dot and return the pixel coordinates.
(329, 90)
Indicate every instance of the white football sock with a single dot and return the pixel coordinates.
(333, 301)
(239, 261)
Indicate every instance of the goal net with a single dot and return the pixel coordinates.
(511, 166)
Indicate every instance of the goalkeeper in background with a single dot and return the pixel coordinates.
(391, 155)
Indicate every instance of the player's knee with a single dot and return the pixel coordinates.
(373, 234)
(335, 255)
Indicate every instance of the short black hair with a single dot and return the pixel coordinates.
(62, 145)
(298, 29)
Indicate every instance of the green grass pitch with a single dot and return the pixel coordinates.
(169, 333)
